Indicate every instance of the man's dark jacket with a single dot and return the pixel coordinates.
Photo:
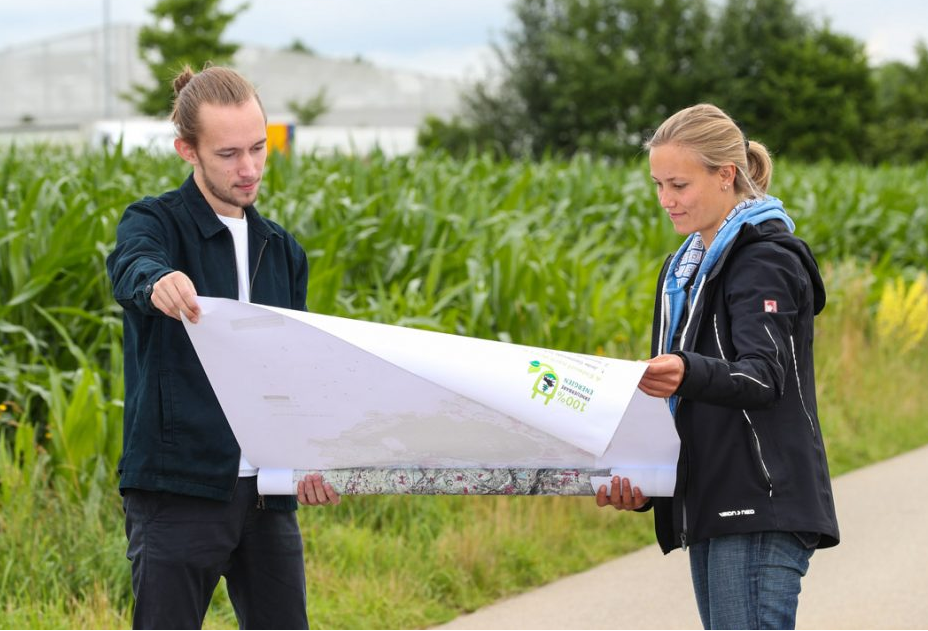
(751, 454)
(175, 435)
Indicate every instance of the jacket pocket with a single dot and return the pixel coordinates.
(167, 407)
(757, 454)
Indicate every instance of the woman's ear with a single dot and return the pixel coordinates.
(727, 176)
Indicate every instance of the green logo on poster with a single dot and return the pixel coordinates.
(546, 384)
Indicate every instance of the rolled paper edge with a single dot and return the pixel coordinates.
(463, 481)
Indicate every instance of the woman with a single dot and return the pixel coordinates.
(732, 353)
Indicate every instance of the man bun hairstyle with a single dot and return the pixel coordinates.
(717, 140)
(215, 85)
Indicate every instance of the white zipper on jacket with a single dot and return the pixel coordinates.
(692, 310)
(664, 323)
(689, 318)
(760, 455)
(660, 350)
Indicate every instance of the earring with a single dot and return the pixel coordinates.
(725, 188)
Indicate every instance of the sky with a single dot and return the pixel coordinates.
(443, 37)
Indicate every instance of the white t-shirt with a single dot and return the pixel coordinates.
(239, 230)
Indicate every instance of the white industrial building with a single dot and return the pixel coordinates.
(70, 88)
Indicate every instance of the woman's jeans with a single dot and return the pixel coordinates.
(749, 581)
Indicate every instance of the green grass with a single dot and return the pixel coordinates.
(871, 393)
(553, 254)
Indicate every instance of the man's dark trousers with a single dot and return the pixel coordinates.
(180, 546)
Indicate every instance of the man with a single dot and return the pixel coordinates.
(193, 513)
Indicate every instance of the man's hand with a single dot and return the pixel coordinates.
(312, 490)
(622, 495)
(663, 375)
(174, 294)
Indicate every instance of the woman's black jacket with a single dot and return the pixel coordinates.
(751, 453)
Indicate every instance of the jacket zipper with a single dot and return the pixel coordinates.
(760, 455)
(664, 325)
(663, 344)
(692, 312)
(689, 320)
(254, 275)
(261, 504)
(683, 530)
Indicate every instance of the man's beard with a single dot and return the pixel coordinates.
(228, 196)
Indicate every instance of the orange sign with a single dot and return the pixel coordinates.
(279, 137)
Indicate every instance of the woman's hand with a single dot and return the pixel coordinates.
(663, 375)
(622, 496)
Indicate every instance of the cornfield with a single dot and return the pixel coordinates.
(558, 254)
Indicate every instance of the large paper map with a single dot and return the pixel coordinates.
(311, 392)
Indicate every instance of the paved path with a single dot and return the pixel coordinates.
(877, 578)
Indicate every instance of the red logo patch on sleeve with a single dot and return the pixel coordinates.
(770, 306)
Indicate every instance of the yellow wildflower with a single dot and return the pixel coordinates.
(902, 315)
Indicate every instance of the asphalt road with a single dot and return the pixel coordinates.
(877, 578)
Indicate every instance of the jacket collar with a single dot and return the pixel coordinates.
(205, 217)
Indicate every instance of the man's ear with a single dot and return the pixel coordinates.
(186, 151)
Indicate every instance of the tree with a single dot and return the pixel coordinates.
(298, 46)
(802, 90)
(899, 132)
(599, 75)
(310, 109)
(185, 32)
(592, 74)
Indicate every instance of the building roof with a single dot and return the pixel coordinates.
(78, 78)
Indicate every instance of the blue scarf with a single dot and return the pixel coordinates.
(694, 258)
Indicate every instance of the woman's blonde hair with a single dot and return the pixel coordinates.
(214, 85)
(717, 140)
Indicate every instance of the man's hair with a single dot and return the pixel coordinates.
(214, 85)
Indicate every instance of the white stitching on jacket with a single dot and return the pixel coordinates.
(776, 346)
(741, 374)
(799, 385)
(718, 341)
